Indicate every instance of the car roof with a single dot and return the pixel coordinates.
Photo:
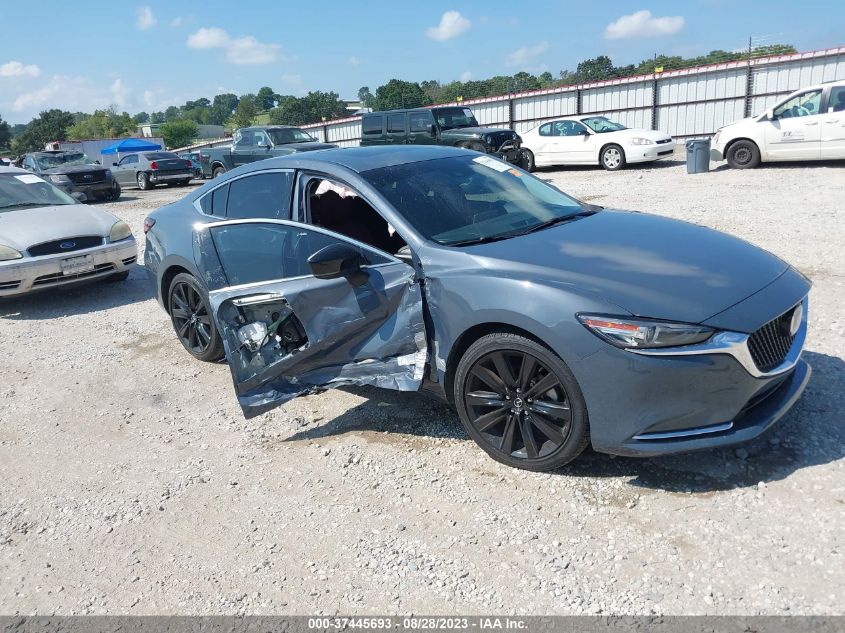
(12, 170)
(361, 159)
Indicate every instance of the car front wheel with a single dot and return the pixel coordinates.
(191, 317)
(526, 160)
(218, 171)
(743, 155)
(613, 158)
(520, 402)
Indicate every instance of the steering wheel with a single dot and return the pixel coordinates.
(800, 111)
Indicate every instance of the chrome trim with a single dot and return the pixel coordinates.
(736, 344)
(702, 430)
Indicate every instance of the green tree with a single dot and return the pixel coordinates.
(157, 117)
(179, 132)
(141, 117)
(365, 96)
(49, 125)
(102, 124)
(5, 133)
(172, 113)
(266, 98)
(596, 69)
(397, 93)
(244, 114)
(222, 107)
(313, 107)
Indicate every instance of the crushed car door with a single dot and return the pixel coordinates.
(301, 308)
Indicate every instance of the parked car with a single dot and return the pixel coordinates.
(593, 140)
(809, 124)
(145, 170)
(48, 239)
(547, 322)
(250, 144)
(450, 125)
(196, 162)
(73, 172)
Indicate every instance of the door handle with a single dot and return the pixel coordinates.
(811, 123)
(832, 121)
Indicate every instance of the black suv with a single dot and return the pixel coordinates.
(73, 172)
(447, 125)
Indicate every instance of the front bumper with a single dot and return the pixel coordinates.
(95, 190)
(648, 153)
(508, 151)
(32, 274)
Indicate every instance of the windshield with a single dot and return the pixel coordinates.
(28, 190)
(48, 161)
(464, 199)
(450, 118)
(601, 124)
(289, 135)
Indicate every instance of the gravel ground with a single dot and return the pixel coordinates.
(133, 485)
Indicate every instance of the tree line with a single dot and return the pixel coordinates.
(179, 123)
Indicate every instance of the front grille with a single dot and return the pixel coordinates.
(88, 177)
(70, 244)
(128, 261)
(665, 140)
(99, 269)
(9, 285)
(771, 343)
(666, 152)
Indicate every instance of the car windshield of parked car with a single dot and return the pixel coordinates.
(18, 191)
(601, 124)
(290, 135)
(160, 155)
(451, 118)
(49, 161)
(465, 200)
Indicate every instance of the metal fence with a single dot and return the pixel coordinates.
(691, 102)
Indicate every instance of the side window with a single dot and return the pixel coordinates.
(837, 99)
(243, 139)
(396, 123)
(373, 124)
(805, 104)
(420, 121)
(573, 128)
(546, 130)
(214, 203)
(257, 252)
(260, 196)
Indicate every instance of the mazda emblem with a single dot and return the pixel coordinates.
(67, 245)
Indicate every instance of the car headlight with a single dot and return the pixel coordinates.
(108, 173)
(640, 333)
(59, 179)
(487, 138)
(119, 231)
(638, 140)
(7, 253)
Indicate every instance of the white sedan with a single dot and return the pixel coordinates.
(592, 140)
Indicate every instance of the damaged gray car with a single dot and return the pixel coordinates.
(549, 324)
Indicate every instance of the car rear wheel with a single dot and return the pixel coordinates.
(520, 402)
(743, 155)
(476, 146)
(218, 171)
(612, 158)
(191, 317)
(526, 160)
(143, 181)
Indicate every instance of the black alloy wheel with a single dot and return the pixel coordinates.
(520, 403)
(192, 320)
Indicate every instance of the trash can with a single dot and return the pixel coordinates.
(698, 156)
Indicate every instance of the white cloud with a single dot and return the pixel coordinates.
(177, 21)
(146, 19)
(354, 61)
(237, 50)
(119, 92)
(523, 56)
(451, 25)
(643, 24)
(466, 76)
(17, 69)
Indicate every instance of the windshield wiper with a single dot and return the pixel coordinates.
(21, 205)
(558, 220)
(481, 239)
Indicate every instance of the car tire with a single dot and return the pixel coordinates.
(526, 160)
(143, 181)
(218, 171)
(121, 276)
(612, 158)
(743, 155)
(114, 194)
(190, 315)
(493, 382)
(476, 147)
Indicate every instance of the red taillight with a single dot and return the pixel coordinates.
(153, 165)
(148, 224)
(190, 164)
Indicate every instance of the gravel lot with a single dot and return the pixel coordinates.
(133, 485)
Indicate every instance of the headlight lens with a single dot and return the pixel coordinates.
(58, 178)
(638, 140)
(7, 253)
(487, 138)
(642, 333)
(119, 231)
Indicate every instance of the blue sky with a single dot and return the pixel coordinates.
(89, 54)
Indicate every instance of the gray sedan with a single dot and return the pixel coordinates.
(548, 323)
(145, 170)
(47, 239)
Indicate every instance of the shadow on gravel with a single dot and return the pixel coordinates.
(633, 167)
(807, 164)
(811, 434)
(81, 299)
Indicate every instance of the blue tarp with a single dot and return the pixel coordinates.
(130, 145)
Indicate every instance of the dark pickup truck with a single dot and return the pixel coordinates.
(447, 125)
(73, 172)
(250, 144)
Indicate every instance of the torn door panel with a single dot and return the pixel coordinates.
(292, 337)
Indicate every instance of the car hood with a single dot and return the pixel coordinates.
(647, 265)
(73, 169)
(27, 227)
(477, 132)
(307, 146)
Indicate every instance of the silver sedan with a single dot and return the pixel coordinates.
(48, 239)
(145, 170)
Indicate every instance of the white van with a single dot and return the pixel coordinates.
(808, 125)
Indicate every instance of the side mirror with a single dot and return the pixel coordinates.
(584, 132)
(114, 164)
(336, 260)
(79, 196)
(770, 114)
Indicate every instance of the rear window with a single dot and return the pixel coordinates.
(160, 155)
(373, 124)
(260, 196)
